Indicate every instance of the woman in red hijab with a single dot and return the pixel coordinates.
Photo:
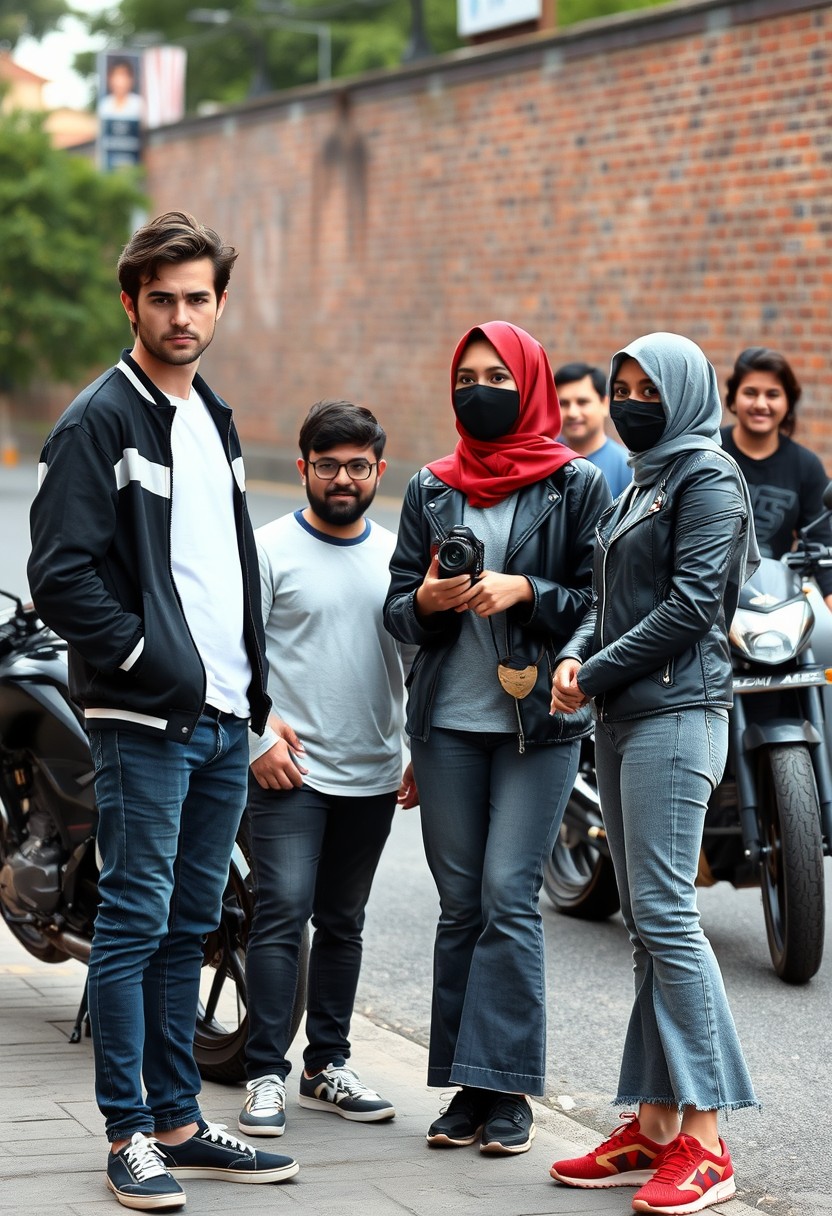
(492, 571)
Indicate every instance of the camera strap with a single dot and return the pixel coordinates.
(516, 677)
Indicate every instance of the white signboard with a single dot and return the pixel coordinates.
(479, 16)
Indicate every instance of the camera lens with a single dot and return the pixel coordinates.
(455, 555)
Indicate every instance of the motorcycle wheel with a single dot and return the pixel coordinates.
(222, 1019)
(791, 869)
(579, 880)
(37, 945)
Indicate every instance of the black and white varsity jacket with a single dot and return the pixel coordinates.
(100, 567)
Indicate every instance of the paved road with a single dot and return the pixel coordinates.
(781, 1153)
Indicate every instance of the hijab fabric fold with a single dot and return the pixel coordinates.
(487, 471)
(689, 392)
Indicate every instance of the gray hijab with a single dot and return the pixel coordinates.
(688, 388)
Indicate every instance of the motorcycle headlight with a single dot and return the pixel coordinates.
(772, 637)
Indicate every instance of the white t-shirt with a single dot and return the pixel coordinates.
(205, 557)
(335, 673)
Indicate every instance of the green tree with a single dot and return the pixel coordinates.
(35, 17)
(252, 50)
(62, 226)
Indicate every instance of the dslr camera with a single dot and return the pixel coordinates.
(461, 553)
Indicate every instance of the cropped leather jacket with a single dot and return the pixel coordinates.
(551, 542)
(667, 580)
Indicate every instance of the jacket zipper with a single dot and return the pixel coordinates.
(656, 505)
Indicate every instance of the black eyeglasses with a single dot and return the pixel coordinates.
(328, 470)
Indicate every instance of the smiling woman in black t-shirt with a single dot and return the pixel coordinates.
(785, 479)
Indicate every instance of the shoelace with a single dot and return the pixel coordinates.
(619, 1135)
(218, 1134)
(144, 1158)
(510, 1108)
(350, 1083)
(678, 1161)
(266, 1093)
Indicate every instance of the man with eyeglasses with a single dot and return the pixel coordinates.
(326, 774)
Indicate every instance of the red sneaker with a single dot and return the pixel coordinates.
(688, 1179)
(627, 1158)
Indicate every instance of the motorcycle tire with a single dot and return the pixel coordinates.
(37, 945)
(579, 880)
(222, 1020)
(791, 868)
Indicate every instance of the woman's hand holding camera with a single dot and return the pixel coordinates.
(567, 697)
(493, 592)
(489, 593)
(443, 594)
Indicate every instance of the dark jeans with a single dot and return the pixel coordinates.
(313, 855)
(168, 815)
(489, 819)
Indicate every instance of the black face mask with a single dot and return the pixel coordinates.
(640, 424)
(486, 412)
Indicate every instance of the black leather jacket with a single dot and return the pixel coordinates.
(551, 542)
(667, 570)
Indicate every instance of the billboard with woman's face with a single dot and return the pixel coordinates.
(120, 109)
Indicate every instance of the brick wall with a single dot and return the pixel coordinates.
(670, 169)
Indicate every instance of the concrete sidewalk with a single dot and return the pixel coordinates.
(53, 1150)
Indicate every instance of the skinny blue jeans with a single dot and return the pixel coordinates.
(168, 816)
(489, 820)
(655, 776)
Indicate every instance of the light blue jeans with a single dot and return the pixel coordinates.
(655, 776)
(168, 815)
(489, 819)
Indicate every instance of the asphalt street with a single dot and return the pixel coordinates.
(780, 1153)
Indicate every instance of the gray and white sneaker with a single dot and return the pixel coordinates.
(138, 1178)
(339, 1089)
(264, 1113)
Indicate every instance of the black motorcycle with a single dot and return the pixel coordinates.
(48, 866)
(769, 821)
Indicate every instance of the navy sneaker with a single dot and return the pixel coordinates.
(461, 1123)
(264, 1113)
(211, 1153)
(509, 1127)
(138, 1178)
(340, 1090)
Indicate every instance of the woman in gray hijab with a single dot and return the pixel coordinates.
(652, 655)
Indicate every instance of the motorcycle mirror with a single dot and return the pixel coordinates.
(827, 497)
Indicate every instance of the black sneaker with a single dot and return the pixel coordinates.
(211, 1153)
(509, 1127)
(461, 1122)
(340, 1090)
(138, 1178)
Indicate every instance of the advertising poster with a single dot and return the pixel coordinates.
(120, 109)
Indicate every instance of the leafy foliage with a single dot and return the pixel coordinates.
(35, 17)
(62, 226)
(570, 11)
(227, 61)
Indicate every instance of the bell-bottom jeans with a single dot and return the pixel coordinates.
(168, 816)
(489, 820)
(655, 776)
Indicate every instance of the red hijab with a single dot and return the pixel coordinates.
(487, 471)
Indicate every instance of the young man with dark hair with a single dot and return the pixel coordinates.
(585, 407)
(143, 559)
(325, 775)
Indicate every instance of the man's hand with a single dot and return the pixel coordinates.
(442, 594)
(494, 592)
(277, 769)
(408, 795)
(567, 697)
